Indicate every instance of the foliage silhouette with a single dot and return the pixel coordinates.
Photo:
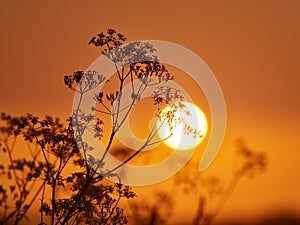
(83, 195)
(68, 181)
(57, 151)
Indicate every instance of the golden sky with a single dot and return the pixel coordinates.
(253, 48)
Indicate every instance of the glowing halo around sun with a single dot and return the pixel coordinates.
(181, 140)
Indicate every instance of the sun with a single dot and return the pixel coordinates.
(183, 136)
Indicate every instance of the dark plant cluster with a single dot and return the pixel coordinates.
(89, 198)
(109, 40)
(151, 72)
(83, 82)
(251, 163)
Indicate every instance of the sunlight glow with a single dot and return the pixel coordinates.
(180, 139)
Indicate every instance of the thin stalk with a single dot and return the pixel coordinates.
(42, 202)
(227, 193)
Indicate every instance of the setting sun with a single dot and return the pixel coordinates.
(189, 132)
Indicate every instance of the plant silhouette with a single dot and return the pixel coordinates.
(43, 173)
(58, 172)
(211, 191)
(86, 198)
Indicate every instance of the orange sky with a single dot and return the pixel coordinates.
(251, 46)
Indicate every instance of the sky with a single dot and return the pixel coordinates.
(252, 47)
